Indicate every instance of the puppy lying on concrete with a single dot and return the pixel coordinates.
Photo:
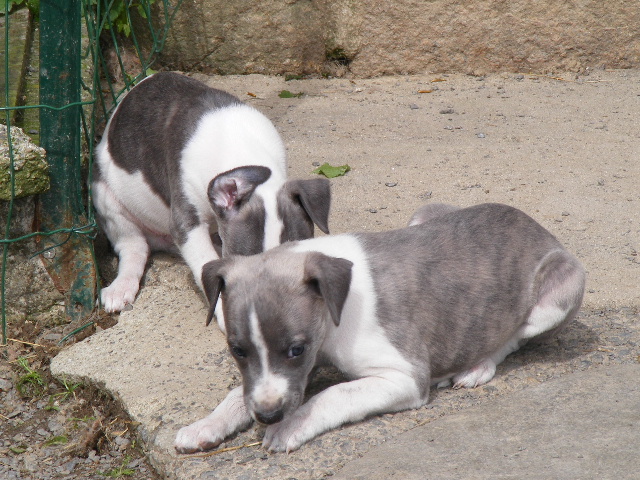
(396, 311)
(178, 160)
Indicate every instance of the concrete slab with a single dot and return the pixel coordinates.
(563, 150)
(586, 425)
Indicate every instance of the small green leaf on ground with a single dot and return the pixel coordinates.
(57, 440)
(331, 171)
(288, 94)
(18, 449)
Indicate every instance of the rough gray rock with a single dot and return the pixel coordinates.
(378, 37)
(29, 165)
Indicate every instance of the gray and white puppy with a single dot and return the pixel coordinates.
(180, 160)
(396, 311)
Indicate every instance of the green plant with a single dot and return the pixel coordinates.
(77, 420)
(13, 5)
(120, 471)
(69, 389)
(119, 12)
(57, 440)
(31, 383)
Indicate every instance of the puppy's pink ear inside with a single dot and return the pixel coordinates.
(230, 189)
(330, 278)
(212, 283)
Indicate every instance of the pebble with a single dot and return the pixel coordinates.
(122, 442)
(391, 184)
(447, 111)
(480, 135)
(413, 106)
(53, 337)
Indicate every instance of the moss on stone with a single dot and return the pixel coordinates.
(31, 171)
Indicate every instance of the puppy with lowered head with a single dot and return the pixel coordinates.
(399, 311)
(179, 161)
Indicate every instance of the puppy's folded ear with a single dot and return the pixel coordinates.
(315, 197)
(212, 283)
(330, 278)
(230, 189)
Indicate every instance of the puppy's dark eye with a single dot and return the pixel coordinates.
(238, 352)
(295, 351)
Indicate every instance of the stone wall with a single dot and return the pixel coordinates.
(375, 37)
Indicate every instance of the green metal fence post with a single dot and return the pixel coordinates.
(70, 262)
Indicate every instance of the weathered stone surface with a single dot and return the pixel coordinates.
(378, 37)
(29, 164)
(248, 36)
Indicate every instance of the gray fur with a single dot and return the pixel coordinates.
(449, 294)
(145, 144)
(147, 135)
(429, 211)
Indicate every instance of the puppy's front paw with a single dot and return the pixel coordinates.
(287, 435)
(202, 435)
(120, 293)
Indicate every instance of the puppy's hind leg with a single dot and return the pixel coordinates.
(486, 369)
(130, 245)
(559, 282)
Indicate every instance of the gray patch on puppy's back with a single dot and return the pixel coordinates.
(475, 264)
(155, 121)
(430, 211)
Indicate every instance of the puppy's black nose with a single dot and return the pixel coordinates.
(269, 418)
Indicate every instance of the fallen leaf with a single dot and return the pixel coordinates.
(252, 94)
(438, 80)
(288, 94)
(425, 91)
(330, 171)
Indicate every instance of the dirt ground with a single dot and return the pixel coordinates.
(565, 149)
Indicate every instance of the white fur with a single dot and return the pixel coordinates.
(383, 379)
(273, 225)
(198, 250)
(218, 145)
(271, 388)
(229, 417)
(205, 156)
(142, 204)
(359, 345)
(386, 391)
(543, 319)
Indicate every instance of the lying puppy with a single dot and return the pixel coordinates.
(178, 160)
(396, 311)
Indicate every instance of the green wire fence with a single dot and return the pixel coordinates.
(82, 75)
